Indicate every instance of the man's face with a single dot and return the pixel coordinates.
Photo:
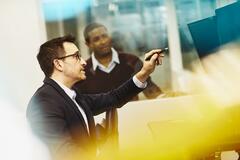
(73, 64)
(100, 42)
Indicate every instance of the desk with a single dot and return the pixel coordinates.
(187, 126)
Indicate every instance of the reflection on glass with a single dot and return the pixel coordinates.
(136, 25)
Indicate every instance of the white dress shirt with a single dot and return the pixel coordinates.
(72, 94)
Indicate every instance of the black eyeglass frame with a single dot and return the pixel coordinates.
(77, 55)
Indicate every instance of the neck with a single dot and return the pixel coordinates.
(104, 60)
(63, 80)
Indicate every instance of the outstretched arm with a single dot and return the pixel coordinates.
(99, 103)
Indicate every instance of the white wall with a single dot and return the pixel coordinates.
(22, 30)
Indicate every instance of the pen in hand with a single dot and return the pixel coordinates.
(162, 51)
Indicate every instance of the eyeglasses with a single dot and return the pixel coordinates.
(75, 55)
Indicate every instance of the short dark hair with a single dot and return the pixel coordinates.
(89, 28)
(51, 50)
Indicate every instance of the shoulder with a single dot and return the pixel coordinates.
(130, 60)
(45, 91)
(45, 98)
(127, 57)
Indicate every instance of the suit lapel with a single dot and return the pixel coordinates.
(90, 118)
(72, 105)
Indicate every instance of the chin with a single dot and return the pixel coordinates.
(83, 78)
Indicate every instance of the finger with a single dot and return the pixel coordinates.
(157, 62)
(160, 61)
(149, 54)
(161, 55)
(154, 58)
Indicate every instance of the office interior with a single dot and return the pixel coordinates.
(197, 117)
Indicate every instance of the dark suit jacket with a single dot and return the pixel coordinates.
(55, 118)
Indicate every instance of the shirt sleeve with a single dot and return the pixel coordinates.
(138, 83)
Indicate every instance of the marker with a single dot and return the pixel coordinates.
(162, 51)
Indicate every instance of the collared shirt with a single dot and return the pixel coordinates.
(111, 65)
(72, 94)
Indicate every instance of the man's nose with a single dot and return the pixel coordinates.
(103, 40)
(83, 62)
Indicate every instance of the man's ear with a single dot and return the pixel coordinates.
(58, 65)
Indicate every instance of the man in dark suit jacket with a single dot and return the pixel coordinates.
(63, 118)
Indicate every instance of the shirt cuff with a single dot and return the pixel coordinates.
(138, 83)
